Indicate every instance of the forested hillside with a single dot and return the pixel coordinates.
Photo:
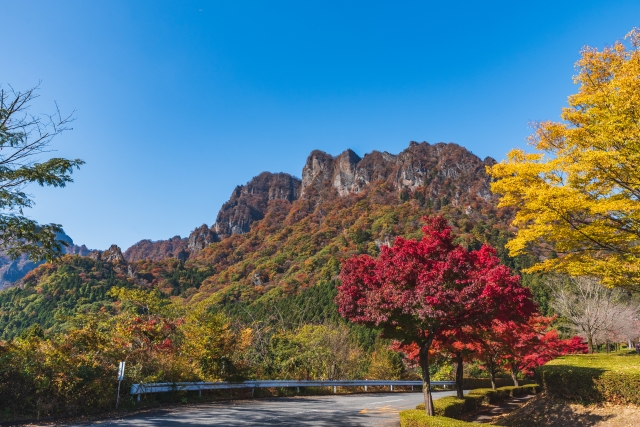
(12, 270)
(278, 238)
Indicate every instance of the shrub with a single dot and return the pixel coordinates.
(451, 407)
(454, 408)
(416, 418)
(473, 383)
(593, 378)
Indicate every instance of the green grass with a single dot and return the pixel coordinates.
(591, 378)
(619, 362)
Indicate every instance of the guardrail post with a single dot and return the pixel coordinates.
(253, 392)
(297, 389)
(391, 386)
(411, 388)
(365, 388)
(138, 398)
(335, 389)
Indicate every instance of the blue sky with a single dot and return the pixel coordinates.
(177, 102)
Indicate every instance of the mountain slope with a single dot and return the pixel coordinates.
(278, 236)
(12, 270)
(346, 205)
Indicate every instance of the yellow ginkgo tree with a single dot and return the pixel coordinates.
(577, 198)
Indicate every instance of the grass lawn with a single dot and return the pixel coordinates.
(594, 378)
(621, 362)
(595, 390)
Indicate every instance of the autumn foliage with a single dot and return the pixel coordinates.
(419, 290)
(578, 196)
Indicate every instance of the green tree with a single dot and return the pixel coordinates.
(25, 141)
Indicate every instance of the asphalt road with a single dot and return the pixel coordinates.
(351, 410)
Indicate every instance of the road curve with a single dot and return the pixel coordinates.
(351, 410)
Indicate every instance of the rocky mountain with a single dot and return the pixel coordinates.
(449, 172)
(350, 204)
(200, 238)
(248, 203)
(112, 255)
(12, 270)
(279, 237)
(419, 165)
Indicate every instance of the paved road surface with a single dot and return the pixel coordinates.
(355, 410)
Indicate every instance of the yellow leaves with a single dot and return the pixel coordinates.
(579, 206)
(209, 341)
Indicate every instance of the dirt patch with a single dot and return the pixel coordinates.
(490, 413)
(543, 411)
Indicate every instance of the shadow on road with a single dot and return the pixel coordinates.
(265, 412)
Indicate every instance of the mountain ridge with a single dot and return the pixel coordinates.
(323, 176)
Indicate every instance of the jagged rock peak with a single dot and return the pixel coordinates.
(323, 170)
(112, 255)
(421, 164)
(199, 239)
(248, 203)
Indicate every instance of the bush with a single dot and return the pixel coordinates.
(417, 418)
(473, 383)
(451, 407)
(592, 378)
(499, 394)
(454, 408)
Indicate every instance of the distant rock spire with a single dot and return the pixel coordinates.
(200, 238)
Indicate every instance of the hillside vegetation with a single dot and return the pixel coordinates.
(296, 245)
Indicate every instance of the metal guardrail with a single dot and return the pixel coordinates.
(138, 389)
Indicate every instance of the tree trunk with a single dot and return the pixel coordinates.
(514, 376)
(459, 375)
(426, 379)
(606, 346)
(590, 340)
(492, 374)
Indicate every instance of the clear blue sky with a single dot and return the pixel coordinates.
(177, 102)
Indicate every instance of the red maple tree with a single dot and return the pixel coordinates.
(551, 346)
(417, 291)
(519, 346)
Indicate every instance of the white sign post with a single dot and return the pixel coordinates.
(120, 378)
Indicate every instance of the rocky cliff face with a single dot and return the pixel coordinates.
(323, 172)
(249, 203)
(440, 167)
(447, 172)
(112, 255)
(200, 238)
(12, 270)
